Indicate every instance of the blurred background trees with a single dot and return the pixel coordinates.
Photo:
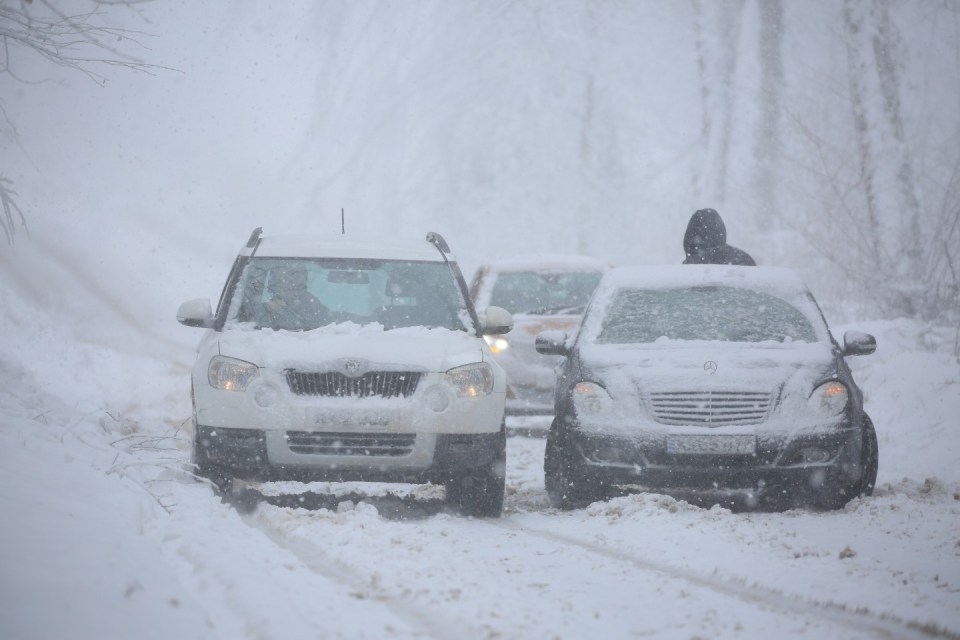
(880, 169)
(71, 35)
(826, 132)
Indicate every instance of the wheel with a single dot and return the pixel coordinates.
(869, 458)
(566, 488)
(206, 470)
(244, 501)
(833, 497)
(480, 491)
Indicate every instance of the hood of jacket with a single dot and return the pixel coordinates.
(704, 231)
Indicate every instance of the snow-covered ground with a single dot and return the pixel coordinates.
(105, 534)
(518, 127)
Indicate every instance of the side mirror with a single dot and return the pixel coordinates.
(552, 343)
(858, 343)
(196, 313)
(495, 321)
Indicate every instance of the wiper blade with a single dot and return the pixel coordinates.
(556, 310)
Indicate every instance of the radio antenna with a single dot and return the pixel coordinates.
(343, 223)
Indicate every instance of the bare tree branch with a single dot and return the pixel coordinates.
(11, 210)
(81, 42)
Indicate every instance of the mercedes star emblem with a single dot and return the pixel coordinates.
(710, 366)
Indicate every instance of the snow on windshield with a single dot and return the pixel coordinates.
(643, 305)
(301, 294)
(725, 314)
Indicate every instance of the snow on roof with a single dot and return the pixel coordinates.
(339, 246)
(779, 279)
(547, 262)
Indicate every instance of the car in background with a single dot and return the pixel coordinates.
(704, 379)
(541, 292)
(332, 359)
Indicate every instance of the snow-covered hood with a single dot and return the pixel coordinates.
(526, 328)
(321, 349)
(708, 365)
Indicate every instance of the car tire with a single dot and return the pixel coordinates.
(245, 500)
(480, 492)
(206, 470)
(566, 488)
(869, 458)
(834, 497)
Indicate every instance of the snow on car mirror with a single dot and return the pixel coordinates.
(858, 343)
(552, 343)
(196, 313)
(496, 321)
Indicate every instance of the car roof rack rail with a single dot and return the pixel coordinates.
(437, 240)
(254, 238)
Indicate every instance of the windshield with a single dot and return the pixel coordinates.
(724, 314)
(544, 293)
(298, 294)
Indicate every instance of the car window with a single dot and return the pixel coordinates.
(544, 293)
(391, 292)
(725, 314)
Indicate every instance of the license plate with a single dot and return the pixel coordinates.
(714, 444)
(341, 418)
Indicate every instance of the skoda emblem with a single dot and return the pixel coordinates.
(352, 368)
(710, 366)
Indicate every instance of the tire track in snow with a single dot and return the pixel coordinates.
(424, 622)
(880, 625)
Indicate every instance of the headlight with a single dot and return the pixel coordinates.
(830, 398)
(589, 398)
(231, 374)
(497, 343)
(471, 380)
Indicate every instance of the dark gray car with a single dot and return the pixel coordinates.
(708, 379)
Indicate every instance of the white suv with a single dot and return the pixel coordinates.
(329, 359)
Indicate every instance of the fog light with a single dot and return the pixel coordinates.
(607, 453)
(497, 344)
(814, 454)
(265, 395)
(436, 399)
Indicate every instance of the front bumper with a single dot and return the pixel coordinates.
(529, 400)
(254, 454)
(269, 404)
(798, 458)
(532, 381)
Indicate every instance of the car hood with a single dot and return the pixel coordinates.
(414, 348)
(526, 328)
(708, 365)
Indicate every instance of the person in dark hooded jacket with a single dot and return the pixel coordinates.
(705, 242)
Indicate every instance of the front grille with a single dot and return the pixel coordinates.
(351, 444)
(710, 408)
(332, 384)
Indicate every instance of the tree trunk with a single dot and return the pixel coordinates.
(894, 249)
(717, 64)
(887, 50)
(767, 149)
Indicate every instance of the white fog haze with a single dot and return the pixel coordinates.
(826, 133)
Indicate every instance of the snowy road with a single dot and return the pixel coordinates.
(636, 566)
(105, 534)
